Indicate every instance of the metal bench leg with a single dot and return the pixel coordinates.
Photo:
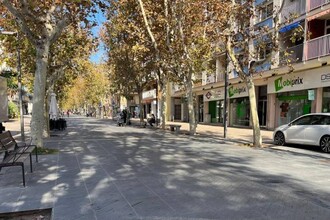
(37, 155)
(31, 162)
(23, 174)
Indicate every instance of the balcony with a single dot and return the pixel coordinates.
(290, 8)
(267, 22)
(313, 4)
(208, 78)
(266, 65)
(259, 2)
(294, 55)
(318, 47)
(235, 73)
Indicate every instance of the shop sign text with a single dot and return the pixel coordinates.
(325, 77)
(280, 83)
(236, 91)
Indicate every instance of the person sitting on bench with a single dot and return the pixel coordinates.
(152, 120)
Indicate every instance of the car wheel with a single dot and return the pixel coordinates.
(325, 143)
(279, 138)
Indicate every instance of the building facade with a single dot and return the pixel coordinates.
(287, 88)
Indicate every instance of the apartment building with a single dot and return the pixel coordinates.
(298, 82)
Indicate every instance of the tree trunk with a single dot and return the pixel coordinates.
(162, 103)
(37, 121)
(141, 113)
(257, 139)
(46, 131)
(192, 118)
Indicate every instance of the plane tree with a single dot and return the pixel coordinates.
(43, 22)
(130, 55)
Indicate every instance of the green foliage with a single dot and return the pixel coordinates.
(13, 111)
(94, 84)
(128, 45)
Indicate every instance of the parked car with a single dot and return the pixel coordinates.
(310, 129)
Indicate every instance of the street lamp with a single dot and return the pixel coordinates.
(225, 114)
(19, 77)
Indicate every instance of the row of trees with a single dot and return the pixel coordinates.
(176, 40)
(88, 89)
(162, 40)
(55, 37)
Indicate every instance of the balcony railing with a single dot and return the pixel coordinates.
(291, 55)
(266, 65)
(293, 8)
(267, 22)
(318, 47)
(207, 79)
(313, 4)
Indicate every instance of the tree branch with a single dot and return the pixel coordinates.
(21, 22)
(178, 17)
(148, 27)
(57, 31)
(28, 13)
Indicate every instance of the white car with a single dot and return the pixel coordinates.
(310, 129)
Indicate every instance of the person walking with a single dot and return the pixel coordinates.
(125, 116)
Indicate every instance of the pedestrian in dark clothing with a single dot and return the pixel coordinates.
(124, 116)
(152, 120)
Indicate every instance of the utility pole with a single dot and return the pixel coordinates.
(225, 108)
(20, 95)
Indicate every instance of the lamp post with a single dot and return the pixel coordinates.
(225, 114)
(19, 77)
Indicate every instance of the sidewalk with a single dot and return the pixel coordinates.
(14, 125)
(241, 135)
(103, 171)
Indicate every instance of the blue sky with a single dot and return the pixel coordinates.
(98, 57)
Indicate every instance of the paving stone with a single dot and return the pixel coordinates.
(106, 172)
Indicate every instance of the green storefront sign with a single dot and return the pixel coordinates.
(280, 83)
(236, 91)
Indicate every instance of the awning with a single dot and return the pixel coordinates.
(289, 27)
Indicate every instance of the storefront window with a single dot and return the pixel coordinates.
(326, 100)
(240, 110)
(219, 111)
(216, 111)
(292, 105)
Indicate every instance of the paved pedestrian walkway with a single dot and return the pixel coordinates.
(240, 135)
(243, 135)
(107, 172)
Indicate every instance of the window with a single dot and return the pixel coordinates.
(326, 120)
(327, 27)
(263, 47)
(317, 120)
(263, 52)
(264, 12)
(303, 121)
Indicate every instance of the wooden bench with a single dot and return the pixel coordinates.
(175, 128)
(14, 154)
